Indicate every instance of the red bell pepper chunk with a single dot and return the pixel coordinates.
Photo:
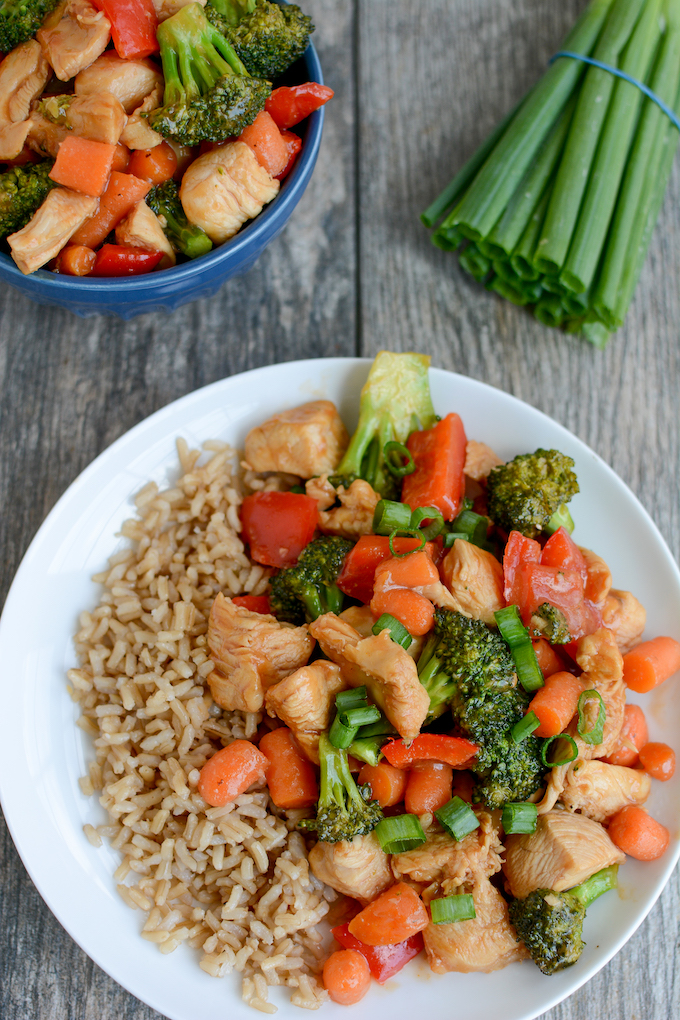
(117, 260)
(290, 104)
(293, 144)
(454, 751)
(561, 551)
(358, 572)
(255, 603)
(278, 525)
(383, 961)
(519, 551)
(439, 457)
(133, 26)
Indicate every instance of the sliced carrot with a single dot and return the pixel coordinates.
(75, 260)
(548, 659)
(555, 703)
(83, 165)
(264, 138)
(651, 663)
(638, 834)
(290, 777)
(429, 787)
(413, 571)
(346, 976)
(658, 761)
(123, 192)
(387, 783)
(439, 457)
(411, 608)
(230, 772)
(632, 737)
(121, 158)
(394, 916)
(156, 165)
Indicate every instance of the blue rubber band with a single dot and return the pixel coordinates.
(626, 77)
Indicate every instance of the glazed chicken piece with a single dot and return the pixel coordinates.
(599, 790)
(141, 228)
(166, 8)
(73, 36)
(23, 75)
(100, 118)
(379, 663)
(445, 864)
(358, 868)
(130, 81)
(137, 134)
(564, 850)
(303, 441)
(479, 459)
(486, 943)
(251, 652)
(599, 577)
(361, 619)
(625, 617)
(43, 237)
(304, 701)
(225, 188)
(354, 516)
(475, 579)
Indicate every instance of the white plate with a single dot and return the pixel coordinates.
(42, 753)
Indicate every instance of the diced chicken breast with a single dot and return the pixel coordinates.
(358, 868)
(625, 617)
(130, 81)
(57, 219)
(251, 652)
(73, 36)
(599, 576)
(447, 863)
(598, 655)
(304, 701)
(99, 117)
(23, 75)
(479, 459)
(13, 137)
(361, 619)
(141, 228)
(137, 134)
(304, 441)
(564, 851)
(599, 790)
(354, 516)
(166, 8)
(475, 579)
(225, 188)
(44, 136)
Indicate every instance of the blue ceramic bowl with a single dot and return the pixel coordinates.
(168, 289)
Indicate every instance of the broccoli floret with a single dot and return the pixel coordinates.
(21, 19)
(22, 190)
(395, 400)
(307, 590)
(209, 95)
(344, 810)
(550, 623)
(468, 666)
(184, 237)
(550, 924)
(527, 491)
(268, 38)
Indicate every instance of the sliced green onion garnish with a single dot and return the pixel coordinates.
(449, 909)
(368, 749)
(595, 734)
(525, 727)
(560, 519)
(471, 527)
(377, 729)
(457, 818)
(516, 636)
(355, 697)
(400, 833)
(513, 631)
(341, 735)
(519, 818)
(431, 514)
(391, 516)
(407, 534)
(362, 715)
(397, 630)
(563, 761)
(398, 459)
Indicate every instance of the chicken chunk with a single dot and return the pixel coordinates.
(141, 229)
(598, 655)
(137, 134)
(359, 868)
(225, 188)
(599, 790)
(625, 617)
(475, 579)
(479, 459)
(23, 75)
(444, 864)
(73, 36)
(130, 81)
(599, 577)
(251, 652)
(564, 851)
(304, 441)
(166, 8)
(486, 943)
(100, 118)
(304, 702)
(43, 237)
(13, 137)
(354, 516)
(360, 618)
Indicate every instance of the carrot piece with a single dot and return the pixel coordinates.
(412, 571)
(358, 572)
(290, 777)
(83, 165)
(346, 976)
(658, 761)
(75, 260)
(464, 783)
(454, 751)
(264, 138)
(230, 772)
(638, 834)
(394, 916)
(387, 783)
(429, 787)
(409, 607)
(155, 165)
(651, 663)
(123, 192)
(555, 703)
(548, 659)
(439, 457)
(632, 737)
(121, 158)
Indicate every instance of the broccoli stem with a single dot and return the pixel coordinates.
(599, 883)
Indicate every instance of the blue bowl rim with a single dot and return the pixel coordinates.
(252, 234)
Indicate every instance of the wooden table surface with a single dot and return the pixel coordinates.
(418, 84)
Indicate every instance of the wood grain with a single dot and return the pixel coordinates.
(418, 85)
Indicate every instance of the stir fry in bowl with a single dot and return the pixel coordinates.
(372, 680)
(137, 135)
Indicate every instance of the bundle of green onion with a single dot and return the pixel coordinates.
(557, 208)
